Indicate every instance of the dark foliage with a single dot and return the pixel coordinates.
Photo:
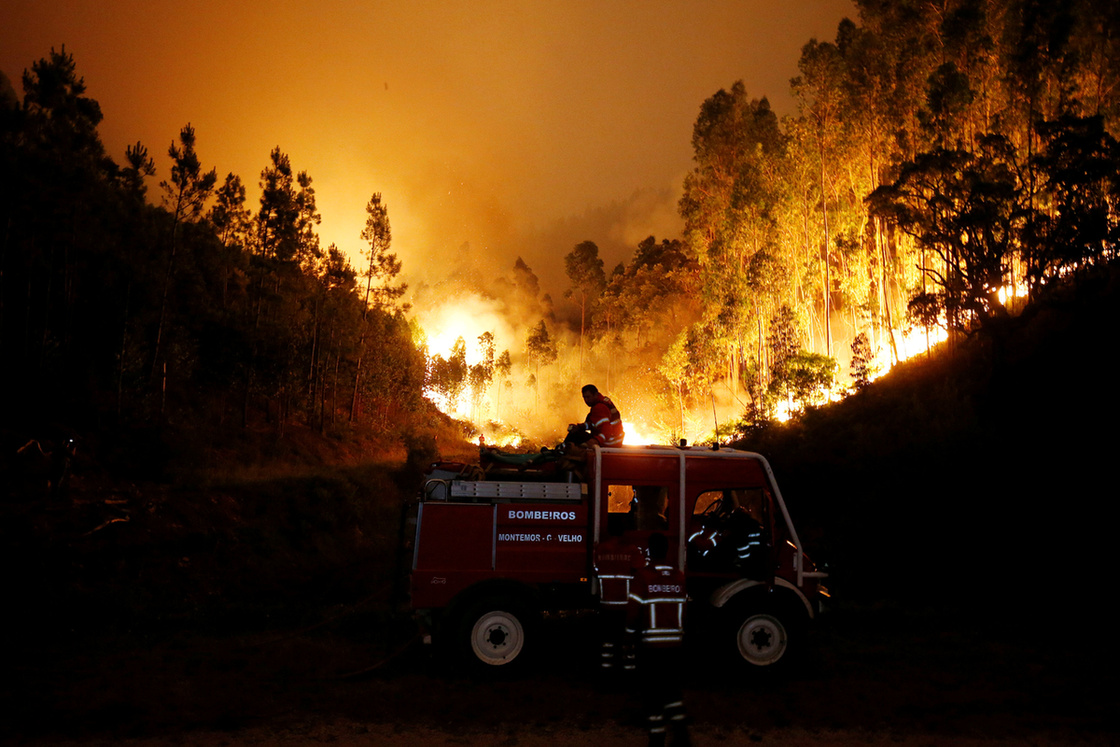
(119, 314)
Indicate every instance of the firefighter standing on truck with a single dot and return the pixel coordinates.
(655, 621)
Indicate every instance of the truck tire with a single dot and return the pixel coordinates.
(493, 634)
(762, 638)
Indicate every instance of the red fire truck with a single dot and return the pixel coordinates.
(497, 545)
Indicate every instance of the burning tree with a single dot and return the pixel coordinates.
(798, 375)
(809, 376)
(481, 374)
(863, 359)
(448, 376)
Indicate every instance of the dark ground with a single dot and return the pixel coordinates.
(871, 673)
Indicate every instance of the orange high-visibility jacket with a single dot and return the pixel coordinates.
(605, 422)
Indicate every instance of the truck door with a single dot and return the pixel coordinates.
(731, 533)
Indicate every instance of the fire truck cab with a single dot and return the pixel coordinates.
(496, 548)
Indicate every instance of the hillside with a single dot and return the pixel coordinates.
(971, 478)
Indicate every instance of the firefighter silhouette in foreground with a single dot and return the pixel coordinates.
(616, 561)
(655, 624)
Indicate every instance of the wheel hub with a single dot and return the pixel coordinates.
(497, 637)
(762, 640)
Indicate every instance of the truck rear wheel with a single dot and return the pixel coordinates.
(493, 633)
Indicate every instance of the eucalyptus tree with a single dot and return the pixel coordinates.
(869, 88)
(527, 288)
(862, 363)
(800, 232)
(1095, 39)
(541, 350)
(450, 375)
(584, 268)
(731, 206)
(503, 367)
(810, 377)
(481, 374)
(819, 94)
(783, 341)
(674, 368)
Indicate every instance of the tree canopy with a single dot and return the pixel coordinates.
(117, 311)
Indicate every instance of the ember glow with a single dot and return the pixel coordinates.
(636, 436)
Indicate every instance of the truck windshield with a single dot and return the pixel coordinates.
(638, 507)
(723, 502)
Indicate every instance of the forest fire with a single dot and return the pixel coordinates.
(469, 379)
(506, 397)
(791, 252)
(459, 340)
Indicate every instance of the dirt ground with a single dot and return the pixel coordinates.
(868, 675)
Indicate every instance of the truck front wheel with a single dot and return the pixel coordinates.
(762, 638)
(494, 632)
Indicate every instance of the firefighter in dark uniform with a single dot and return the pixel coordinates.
(655, 620)
(616, 561)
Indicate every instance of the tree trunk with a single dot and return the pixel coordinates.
(357, 378)
(886, 295)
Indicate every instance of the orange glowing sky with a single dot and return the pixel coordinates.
(520, 128)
